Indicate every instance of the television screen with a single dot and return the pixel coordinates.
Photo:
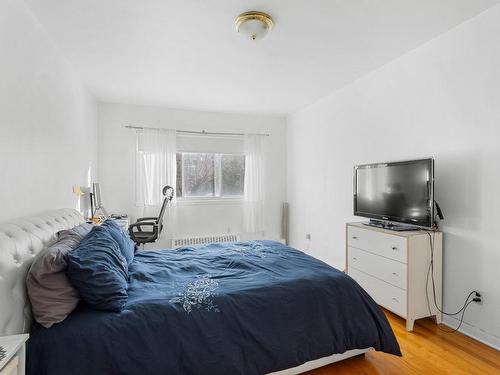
(400, 191)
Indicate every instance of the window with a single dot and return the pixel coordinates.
(202, 175)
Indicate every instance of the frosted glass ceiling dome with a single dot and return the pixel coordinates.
(254, 25)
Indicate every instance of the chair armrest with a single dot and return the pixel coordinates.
(149, 218)
(139, 225)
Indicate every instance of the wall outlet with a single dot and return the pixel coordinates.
(479, 295)
(308, 236)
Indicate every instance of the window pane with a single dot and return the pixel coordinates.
(198, 175)
(233, 175)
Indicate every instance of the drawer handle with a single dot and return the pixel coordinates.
(395, 248)
(395, 299)
(354, 237)
(395, 274)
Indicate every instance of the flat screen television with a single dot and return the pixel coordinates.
(396, 192)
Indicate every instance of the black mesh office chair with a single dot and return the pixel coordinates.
(148, 229)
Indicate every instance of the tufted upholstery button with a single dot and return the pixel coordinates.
(20, 241)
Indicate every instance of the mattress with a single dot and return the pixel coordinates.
(248, 308)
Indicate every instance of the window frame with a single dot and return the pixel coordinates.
(216, 199)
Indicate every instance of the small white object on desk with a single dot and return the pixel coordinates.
(13, 363)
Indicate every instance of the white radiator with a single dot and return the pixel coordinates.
(188, 241)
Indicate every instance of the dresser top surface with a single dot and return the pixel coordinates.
(405, 234)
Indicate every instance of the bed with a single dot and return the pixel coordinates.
(254, 307)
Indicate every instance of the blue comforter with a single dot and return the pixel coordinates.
(242, 308)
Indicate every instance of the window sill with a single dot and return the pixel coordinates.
(208, 201)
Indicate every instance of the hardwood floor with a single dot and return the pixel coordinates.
(426, 350)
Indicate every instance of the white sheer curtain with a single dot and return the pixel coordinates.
(156, 167)
(254, 184)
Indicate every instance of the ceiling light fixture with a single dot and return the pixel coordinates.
(253, 24)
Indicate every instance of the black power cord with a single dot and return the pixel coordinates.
(430, 271)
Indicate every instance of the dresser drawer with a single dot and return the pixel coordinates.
(386, 295)
(389, 270)
(387, 245)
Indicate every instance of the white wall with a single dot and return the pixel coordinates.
(47, 120)
(441, 100)
(117, 164)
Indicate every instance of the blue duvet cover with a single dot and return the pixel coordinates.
(241, 308)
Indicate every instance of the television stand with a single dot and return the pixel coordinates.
(390, 226)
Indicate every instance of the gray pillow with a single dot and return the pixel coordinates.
(51, 294)
(81, 230)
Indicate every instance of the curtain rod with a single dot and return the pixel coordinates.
(203, 132)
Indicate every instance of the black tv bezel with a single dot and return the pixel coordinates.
(394, 219)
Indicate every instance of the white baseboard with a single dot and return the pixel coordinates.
(473, 332)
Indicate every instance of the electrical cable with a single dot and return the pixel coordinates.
(430, 271)
(461, 320)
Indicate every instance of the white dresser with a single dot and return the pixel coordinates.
(392, 267)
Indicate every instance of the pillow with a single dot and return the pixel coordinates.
(127, 246)
(81, 230)
(51, 294)
(99, 271)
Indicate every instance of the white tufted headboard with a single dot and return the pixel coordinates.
(20, 241)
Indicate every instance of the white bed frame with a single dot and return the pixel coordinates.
(22, 239)
(311, 365)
